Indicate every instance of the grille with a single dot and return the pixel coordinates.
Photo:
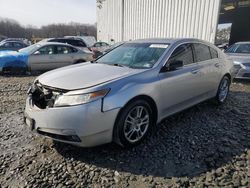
(44, 96)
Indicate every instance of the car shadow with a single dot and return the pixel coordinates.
(189, 143)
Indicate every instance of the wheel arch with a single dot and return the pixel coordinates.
(148, 99)
(228, 75)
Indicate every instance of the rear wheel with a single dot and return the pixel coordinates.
(223, 90)
(134, 123)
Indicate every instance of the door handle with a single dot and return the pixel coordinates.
(217, 65)
(194, 71)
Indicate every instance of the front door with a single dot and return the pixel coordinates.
(43, 59)
(180, 88)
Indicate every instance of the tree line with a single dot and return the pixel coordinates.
(12, 29)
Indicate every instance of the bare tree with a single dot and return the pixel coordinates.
(11, 28)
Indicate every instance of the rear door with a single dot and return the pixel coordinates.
(210, 66)
(180, 88)
(64, 56)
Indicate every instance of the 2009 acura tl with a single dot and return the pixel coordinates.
(122, 95)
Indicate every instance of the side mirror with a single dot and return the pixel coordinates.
(172, 66)
(37, 53)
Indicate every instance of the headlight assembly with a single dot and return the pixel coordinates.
(76, 99)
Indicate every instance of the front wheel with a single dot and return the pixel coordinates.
(134, 123)
(223, 90)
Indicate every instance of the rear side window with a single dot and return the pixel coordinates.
(73, 50)
(17, 45)
(183, 53)
(81, 44)
(77, 43)
(214, 53)
(202, 52)
(65, 50)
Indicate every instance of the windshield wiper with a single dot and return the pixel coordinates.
(119, 65)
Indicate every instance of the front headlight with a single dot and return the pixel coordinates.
(76, 99)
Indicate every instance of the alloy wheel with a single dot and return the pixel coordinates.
(223, 90)
(136, 124)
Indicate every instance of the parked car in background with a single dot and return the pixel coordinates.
(12, 45)
(88, 40)
(72, 41)
(100, 46)
(23, 40)
(223, 46)
(240, 54)
(126, 92)
(42, 57)
(108, 49)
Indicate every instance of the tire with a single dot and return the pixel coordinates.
(223, 90)
(131, 128)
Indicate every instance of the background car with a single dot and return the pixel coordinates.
(122, 95)
(72, 41)
(88, 40)
(100, 46)
(240, 54)
(12, 45)
(223, 46)
(43, 57)
(23, 40)
(108, 49)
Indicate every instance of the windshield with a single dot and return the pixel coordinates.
(239, 48)
(134, 55)
(30, 49)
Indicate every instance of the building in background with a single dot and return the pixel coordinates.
(124, 20)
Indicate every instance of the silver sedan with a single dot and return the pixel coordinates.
(240, 54)
(51, 55)
(125, 93)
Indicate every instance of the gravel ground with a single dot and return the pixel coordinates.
(204, 146)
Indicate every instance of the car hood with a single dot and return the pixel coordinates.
(240, 58)
(84, 75)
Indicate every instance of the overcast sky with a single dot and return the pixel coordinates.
(43, 12)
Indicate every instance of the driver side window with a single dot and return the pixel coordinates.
(183, 53)
(47, 50)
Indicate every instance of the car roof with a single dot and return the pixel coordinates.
(167, 40)
(53, 43)
(66, 39)
(243, 42)
(17, 41)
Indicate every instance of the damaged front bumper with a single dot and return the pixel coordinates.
(82, 125)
